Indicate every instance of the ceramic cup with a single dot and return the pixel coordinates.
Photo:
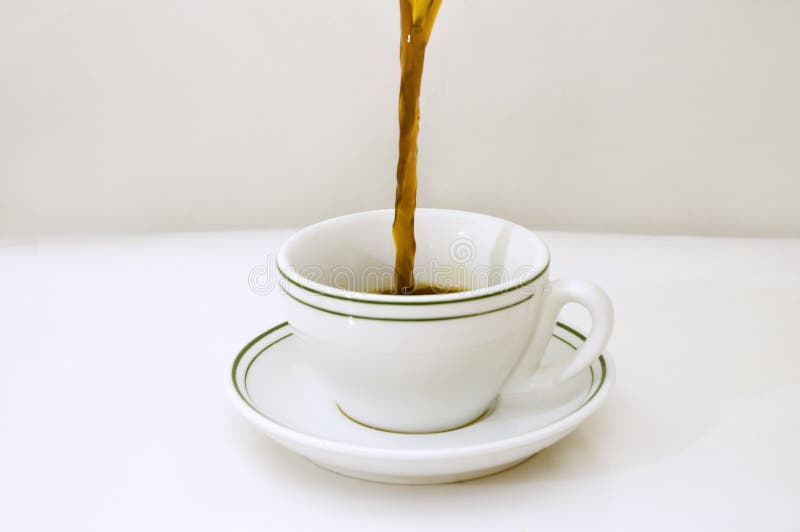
(435, 362)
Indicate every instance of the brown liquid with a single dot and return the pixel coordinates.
(423, 289)
(416, 23)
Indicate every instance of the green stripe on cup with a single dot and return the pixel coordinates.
(345, 315)
(409, 300)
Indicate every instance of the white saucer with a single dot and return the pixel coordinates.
(277, 390)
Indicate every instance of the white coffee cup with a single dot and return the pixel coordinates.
(428, 363)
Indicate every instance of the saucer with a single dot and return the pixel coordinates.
(277, 390)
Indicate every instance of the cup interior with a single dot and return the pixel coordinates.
(355, 252)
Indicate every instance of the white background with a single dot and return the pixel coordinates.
(622, 115)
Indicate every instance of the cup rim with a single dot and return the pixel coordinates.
(288, 273)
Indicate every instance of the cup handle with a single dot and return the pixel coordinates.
(558, 294)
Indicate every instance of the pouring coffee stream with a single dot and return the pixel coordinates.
(416, 22)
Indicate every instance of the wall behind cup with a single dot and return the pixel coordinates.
(623, 115)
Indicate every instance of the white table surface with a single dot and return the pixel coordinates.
(114, 414)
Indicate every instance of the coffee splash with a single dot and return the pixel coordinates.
(416, 22)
